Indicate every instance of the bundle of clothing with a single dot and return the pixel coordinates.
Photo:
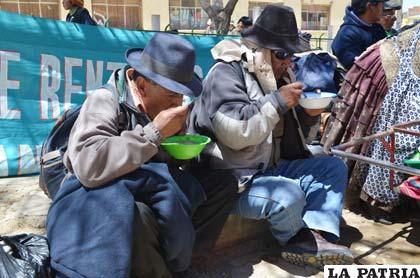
(381, 89)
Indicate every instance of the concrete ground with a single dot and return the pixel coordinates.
(23, 207)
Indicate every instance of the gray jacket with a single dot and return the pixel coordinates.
(96, 152)
(248, 128)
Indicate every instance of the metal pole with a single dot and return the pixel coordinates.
(399, 16)
(381, 163)
(362, 140)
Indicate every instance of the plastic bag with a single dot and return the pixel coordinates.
(23, 256)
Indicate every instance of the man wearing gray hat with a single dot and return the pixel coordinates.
(359, 30)
(121, 212)
(388, 18)
(250, 108)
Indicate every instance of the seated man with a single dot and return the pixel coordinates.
(255, 126)
(359, 30)
(117, 214)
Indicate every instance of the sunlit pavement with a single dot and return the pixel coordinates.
(23, 207)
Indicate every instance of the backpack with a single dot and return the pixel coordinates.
(317, 71)
(52, 169)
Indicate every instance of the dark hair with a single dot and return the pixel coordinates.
(359, 6)
(136, 75)
(246, 21)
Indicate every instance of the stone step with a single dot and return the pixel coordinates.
(237, 230)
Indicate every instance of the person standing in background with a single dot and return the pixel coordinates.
(77, 13)
(388, 18)
(359, 30)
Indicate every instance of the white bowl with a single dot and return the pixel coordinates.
(312, 100)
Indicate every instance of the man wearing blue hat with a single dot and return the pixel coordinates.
(359, 30)
(118, 212)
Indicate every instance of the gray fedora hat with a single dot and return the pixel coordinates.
(276, 29)
(169, 61)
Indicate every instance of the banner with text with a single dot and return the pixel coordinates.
(46, 66)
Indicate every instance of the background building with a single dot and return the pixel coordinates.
(313, 15)
(321, 18)
(412, 15)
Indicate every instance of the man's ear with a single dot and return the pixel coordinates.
(140, 84)
(129, 73)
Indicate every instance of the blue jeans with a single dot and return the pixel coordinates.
(296, 194)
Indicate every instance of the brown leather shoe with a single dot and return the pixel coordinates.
(308, 247)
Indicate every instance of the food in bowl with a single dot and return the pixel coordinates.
(314, 100)
(185, 147)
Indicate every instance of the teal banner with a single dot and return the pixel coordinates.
(46, 66)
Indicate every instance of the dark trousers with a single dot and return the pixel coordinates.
(221, 190)
(147, 260)
(208, 220)
(92, 232)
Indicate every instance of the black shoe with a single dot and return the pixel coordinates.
(378, 215)
(310, 248)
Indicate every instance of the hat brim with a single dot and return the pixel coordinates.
(192, 88)
(272, 41)
(389, 6)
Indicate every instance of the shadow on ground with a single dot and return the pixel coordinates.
(253, 258)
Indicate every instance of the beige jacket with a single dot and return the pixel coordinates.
(96, 153)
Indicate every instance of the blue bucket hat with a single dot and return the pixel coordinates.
(167, 60)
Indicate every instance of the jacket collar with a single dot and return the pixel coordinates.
(257, 62)
(118, 85)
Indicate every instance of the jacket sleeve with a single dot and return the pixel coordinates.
(96, 152)
(87, 19)
(347, 46)
(237, 120)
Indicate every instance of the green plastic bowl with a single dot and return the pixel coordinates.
(185, 147)
(414, 161)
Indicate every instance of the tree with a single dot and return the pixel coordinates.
(219, 16)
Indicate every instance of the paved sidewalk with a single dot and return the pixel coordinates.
(23, 207)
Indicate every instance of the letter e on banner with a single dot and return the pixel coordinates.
(5, 84)
(50, 70)
(69, 87)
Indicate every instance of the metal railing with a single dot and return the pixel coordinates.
(317, 43)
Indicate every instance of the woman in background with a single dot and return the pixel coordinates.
(77, 13)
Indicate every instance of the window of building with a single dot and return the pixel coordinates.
(119, 13)
(40, 8)
(188, 14)
(255, 9)
(315, 17)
